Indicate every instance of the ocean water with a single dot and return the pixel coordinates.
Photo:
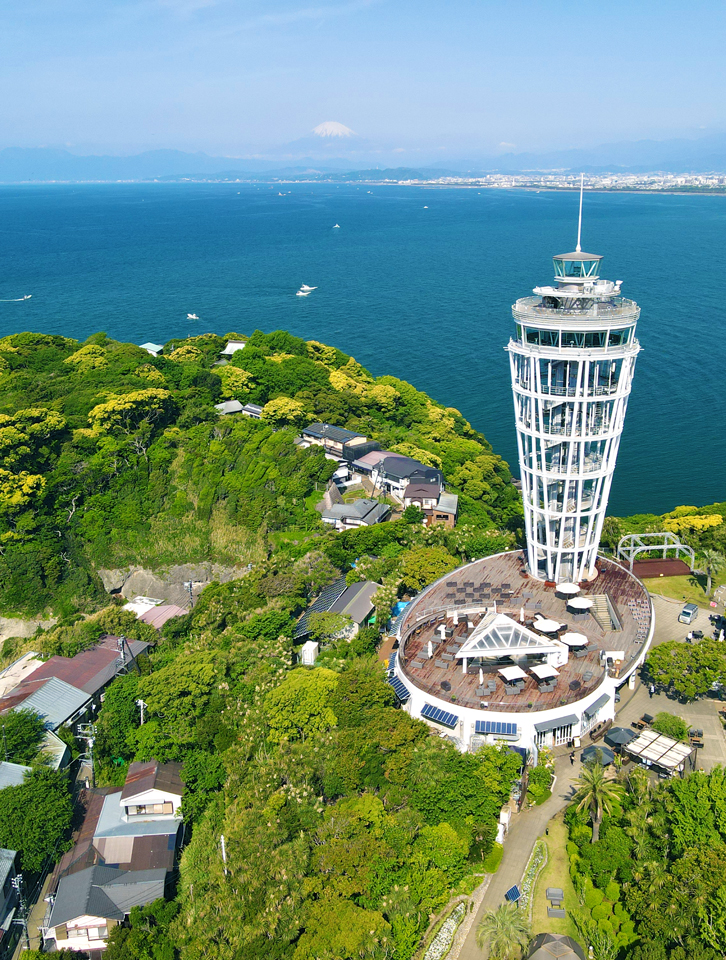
(417, 282)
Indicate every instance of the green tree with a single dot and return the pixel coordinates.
(713, 561)
(337, 929)
(505, 931)
(22, 734)
(35, 816)
(324, 625)
(688, 669)
(422, 565)
(671, 725)
(301, 704)
(597, 794)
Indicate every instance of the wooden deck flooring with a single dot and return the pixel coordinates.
(628, 598)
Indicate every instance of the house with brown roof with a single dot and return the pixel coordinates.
(128, 837)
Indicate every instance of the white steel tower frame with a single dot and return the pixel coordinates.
(572, 362)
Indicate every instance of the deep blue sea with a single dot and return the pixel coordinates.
(417, 282)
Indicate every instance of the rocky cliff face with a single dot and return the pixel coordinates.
(171, 584)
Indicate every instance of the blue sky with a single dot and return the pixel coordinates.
(462, 77)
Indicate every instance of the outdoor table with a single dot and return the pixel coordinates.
(580, 603)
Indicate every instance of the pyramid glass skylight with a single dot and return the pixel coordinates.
(498, 635)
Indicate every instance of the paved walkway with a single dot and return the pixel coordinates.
(518, 846)
(531, 823)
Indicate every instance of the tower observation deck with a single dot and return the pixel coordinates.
(572, 361)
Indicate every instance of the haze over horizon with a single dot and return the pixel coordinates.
(412, 80)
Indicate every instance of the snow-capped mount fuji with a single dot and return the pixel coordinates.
(333, 130)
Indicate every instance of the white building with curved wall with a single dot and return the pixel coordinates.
(529, 648)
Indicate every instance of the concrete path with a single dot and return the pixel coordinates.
(518, 846)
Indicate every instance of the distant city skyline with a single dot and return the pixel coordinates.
(416, 79)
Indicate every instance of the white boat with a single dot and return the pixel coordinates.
(425, 208)
(192, 316)
(336, 226)
(307, 288)
(303, 293)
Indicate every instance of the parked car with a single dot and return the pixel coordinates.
(688, 614)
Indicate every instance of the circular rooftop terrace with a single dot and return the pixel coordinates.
(454, 647)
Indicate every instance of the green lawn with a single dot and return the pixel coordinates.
(691, 589)
(556, 873)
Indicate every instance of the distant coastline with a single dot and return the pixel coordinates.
(667, 188)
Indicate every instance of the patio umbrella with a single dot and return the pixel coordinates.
(431, 650)
(521, 614)
(619, 736)
(481, 677)
(595, 753)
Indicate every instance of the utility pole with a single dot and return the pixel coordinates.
(17, 883)
(140, 704)
(87, 731)
(5, 744)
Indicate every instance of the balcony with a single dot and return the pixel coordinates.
(616, 310)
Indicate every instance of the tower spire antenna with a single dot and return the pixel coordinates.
(578, 248)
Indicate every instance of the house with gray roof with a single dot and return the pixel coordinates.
(90, 903)
(395, 472)
(360, 513)
(12, 774)
(54, 700)
(354, 601)
(339, 443)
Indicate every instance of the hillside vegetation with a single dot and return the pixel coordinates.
(109, 456)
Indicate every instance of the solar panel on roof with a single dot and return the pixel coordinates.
(400, 689)
(439, 716)
(497, 728)
(392, 660)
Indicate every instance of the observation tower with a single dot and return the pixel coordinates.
(572, 361)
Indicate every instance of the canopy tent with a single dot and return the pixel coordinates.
(543, 671)
(597, 754)
(654, 748)
(574, 639)
(546, 626)
(568, 589)
(580, 603)
(619, 736)
(513, 673)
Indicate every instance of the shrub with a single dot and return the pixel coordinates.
(571, 847)
(601, 911)
(620, 912)
(594, 898)
(604, 926)
(540, 777)
(581, 833)
(493, 858)
(537, 794)
(612, 891)
(671, 725)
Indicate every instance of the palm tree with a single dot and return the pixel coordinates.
(596, 793)
(713, 562)
(505, 929)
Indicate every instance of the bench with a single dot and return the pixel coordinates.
(556, 912)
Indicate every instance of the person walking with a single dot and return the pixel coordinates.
(651, 690)
(572, 759)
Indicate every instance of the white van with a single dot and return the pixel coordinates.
(688, 614)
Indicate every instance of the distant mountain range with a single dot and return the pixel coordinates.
(335, 149)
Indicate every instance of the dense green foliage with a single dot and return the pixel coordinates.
(109, 456)
(22, 733)
(689, 670)
(654, 884)
(334, 804)
(35, 817)
(703, 528)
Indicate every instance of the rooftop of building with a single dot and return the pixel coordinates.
(327, 431)
(52, 699)
(106, 892)
(146, 775)
(91, 669)
(473, 589)
(365, 510)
